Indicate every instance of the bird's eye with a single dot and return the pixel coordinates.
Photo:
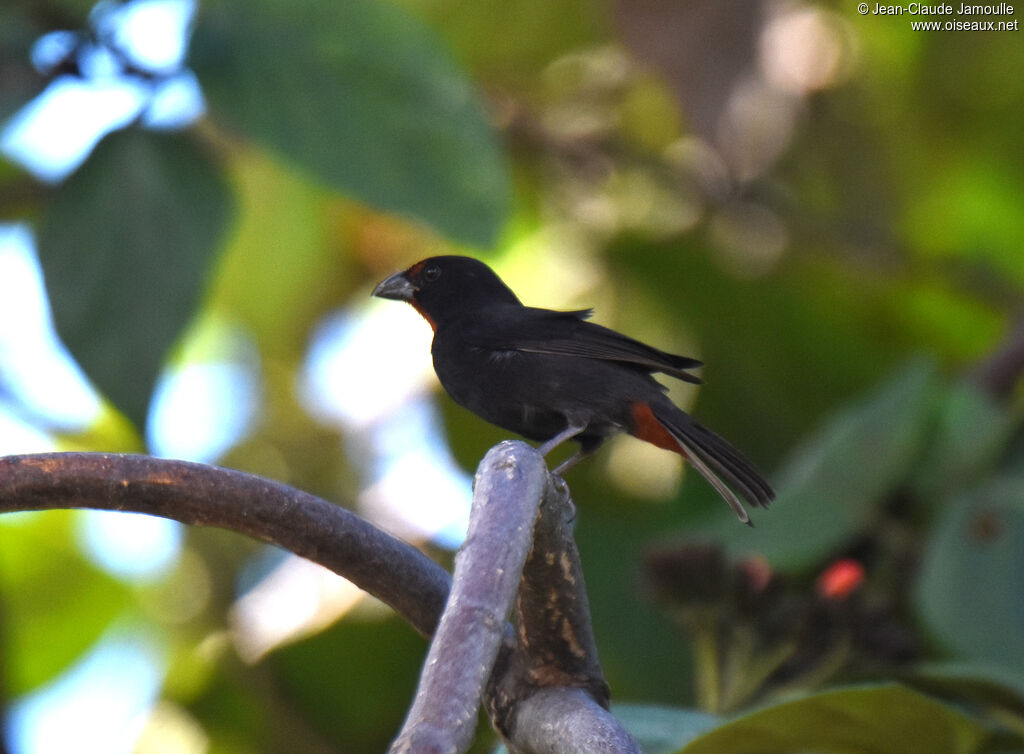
(432, 273)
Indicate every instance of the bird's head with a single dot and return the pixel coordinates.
(447, 287)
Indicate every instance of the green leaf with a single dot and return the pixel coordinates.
(970, 432)
(124, 246)
(364, 97)
(971, 587)
(879, 718)
(832, 484)
(988, 685)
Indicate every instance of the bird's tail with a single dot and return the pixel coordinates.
(724, 467)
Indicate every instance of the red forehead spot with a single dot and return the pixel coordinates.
(415, 270)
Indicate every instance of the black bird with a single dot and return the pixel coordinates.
(553, 376)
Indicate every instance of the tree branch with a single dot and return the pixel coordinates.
(389, 569)
(544, 687)
(520, 536)
(567, 720)
(553, 612)
(548, 694)
(509, 485)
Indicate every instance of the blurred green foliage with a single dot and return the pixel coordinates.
(826, 208)
(134, 230)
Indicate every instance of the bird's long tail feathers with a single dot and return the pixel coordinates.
(724, 467)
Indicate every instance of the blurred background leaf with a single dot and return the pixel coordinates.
(885, 717)
(362, 97)
(833, 484)
(126, 247)
(970, 585)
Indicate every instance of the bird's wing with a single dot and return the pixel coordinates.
(568, 334)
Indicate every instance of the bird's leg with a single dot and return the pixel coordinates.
(568, 463)
(588, 446)
(566, 434)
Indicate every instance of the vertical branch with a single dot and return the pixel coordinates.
(509, 485)
(553, 627)
(549, 695)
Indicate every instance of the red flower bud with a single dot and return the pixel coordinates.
(841, 579)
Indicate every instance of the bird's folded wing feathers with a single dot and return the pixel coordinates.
(567, 334)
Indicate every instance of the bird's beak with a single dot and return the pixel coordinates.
(395, 287)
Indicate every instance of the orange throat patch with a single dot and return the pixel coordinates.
(423, 313)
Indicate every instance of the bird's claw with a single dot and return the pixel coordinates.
(561, 488)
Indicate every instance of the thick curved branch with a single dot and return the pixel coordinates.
(389, 569)
(545, 690)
